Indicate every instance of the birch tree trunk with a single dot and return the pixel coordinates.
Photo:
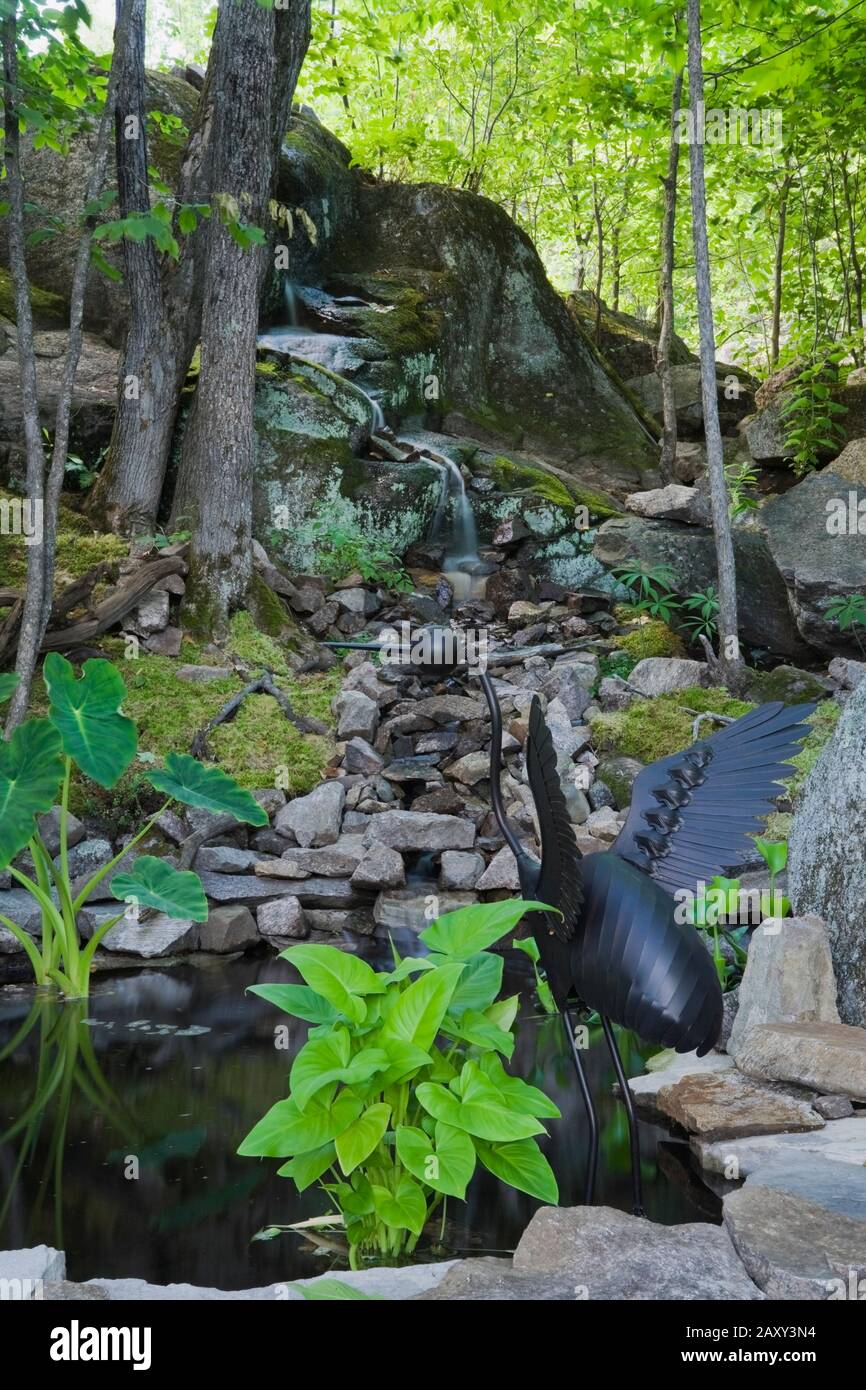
(730, 661)
(666, 329)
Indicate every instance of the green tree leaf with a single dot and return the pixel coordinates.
(31, 770)
(152, 882)
(445, 1163)
(86, 714)
(286, 1130)
(307, 1168)
(421, 1008)
(192, 783)
(468, 930)
(298, 1000)
(359, 1140)
(521, 1165)
(330, 1290)
(479, 984)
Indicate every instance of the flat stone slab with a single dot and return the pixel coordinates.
(250, 889)
(591, 1253)
(426, 830)
(24, 1272)
(152, 937)
(666, 1069)
(829, 1057)
(843, 1141)
(392, 1284)
(799, 1226)
(726, 1105)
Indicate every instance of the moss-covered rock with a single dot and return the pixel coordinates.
(79, 548)
(788, 684)
(651, 729)
(651, 638)
(628, 343)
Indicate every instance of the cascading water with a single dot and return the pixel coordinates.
(461, 564)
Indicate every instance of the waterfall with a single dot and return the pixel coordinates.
(290, 299)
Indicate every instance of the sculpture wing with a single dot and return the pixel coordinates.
(560, 880)
(692, 814)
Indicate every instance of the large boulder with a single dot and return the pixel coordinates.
(628, 343)
(734, 391)
(818, 544)
(827, 866)
(765, 616)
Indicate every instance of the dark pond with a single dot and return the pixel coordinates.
(174, 1065)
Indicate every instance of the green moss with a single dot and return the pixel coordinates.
(49, 309)
(513, 476)
(823, 723)
(79, 548)
(255, 648)
(270, 613)
(651, 729)
(653, 638)
(260, 740)
(788, 684)
(410, 323)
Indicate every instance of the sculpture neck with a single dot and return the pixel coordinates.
(495, 767)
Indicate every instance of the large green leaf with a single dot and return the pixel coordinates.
(521, 1165)
(326, 1059)
(340, 978)
(31, 770)
(445, 1163)
(519, 1095)
(473, 1027)
(419, 1011)
(8, 684)
(405, 1060)
(360, 1138)
(194, 784)
(298, 1000)
(307, 1168)
(334, 1291)
(152, 882)
(285, 1130)
(86, 714)
(468, 930)
(479, 984)
(482, 1111)
(405, 1209)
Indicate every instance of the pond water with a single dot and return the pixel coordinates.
(174, 1065)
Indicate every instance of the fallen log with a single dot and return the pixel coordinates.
(115, 606)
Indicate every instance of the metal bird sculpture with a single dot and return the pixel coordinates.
(618, 944)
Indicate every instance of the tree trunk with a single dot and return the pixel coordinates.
(31, 617)
(666, 317)
(776, 327)
(256, 57)
(729, 646)
(856, 263)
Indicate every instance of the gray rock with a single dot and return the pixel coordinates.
(834, 1108)
(27, 1270)
(357, 715)
(788, 978)
(619, 773)
(594, 1253)
(501, 872)
(271, 799)
(203, 675)
(570, 684)
(614, 694)
(365, 677)
(151, 615)
(252, 889)
(380, 867)
(152, 937)
(359, 921)
(406, 907)
(460, 869)
(671, 503)
(88, 856)
(224, 859)
(228, 929)
(724, 1105)
(603, 824)
(846, 672)
(447, 709)
(799, 1226)
(9, 943)
(824, 876)
(165, 643)
(843, 1141)
(420, 830)
(663, 675)
(49, 829)
(392, 1284)
(314, 820)
(566, 742)
(828, 1057)
(282, 917)
(666, 1069)
(472, 768)
(360, 756)
(339, 860)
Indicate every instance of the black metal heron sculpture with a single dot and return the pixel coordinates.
(618, 945)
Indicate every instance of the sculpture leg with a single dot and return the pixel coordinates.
(592, 1117)
(633, 1135)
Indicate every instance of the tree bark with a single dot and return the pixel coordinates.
(729, 645)
(256, 57)
(776, 327)
(666, 329)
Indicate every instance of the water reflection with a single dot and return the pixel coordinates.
(165, 1075)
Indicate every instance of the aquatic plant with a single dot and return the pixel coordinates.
(85, 729)
(400, 1089)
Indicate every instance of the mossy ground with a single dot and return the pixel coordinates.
(651, 729)
(651, 638)
(79, 548)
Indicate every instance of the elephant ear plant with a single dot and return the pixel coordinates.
(400, 1089)
(85, 729)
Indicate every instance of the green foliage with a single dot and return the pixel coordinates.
(725, 910)
(701, 611)
(529, 946)
(810, 413)
(654, 588)
(650, 638)
(742, 479)
(848, 612)
(400, 1089)
(345, 548)
(650, 729)
(86, 730)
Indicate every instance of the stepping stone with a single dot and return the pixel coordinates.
(590, 1253)
(727, 1105)
(788, 978)
(843, 1141)
(799, 1226)
(666, 1069)
(831, 1057)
